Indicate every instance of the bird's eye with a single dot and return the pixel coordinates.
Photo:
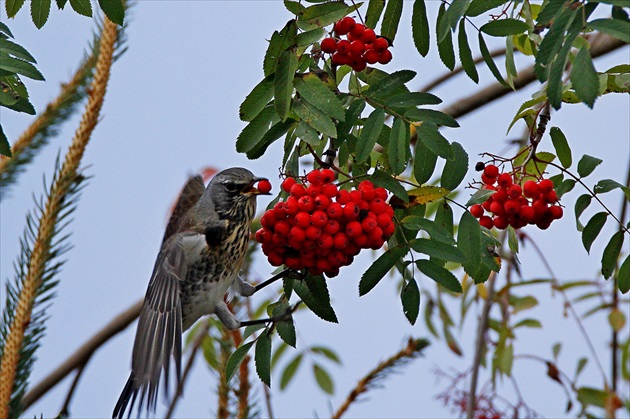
(231, 186)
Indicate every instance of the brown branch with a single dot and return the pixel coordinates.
(414, 346)
(601, 45)
(82, 355)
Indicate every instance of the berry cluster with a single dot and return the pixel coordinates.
(320, 227)
(361, 47)
(516, 205)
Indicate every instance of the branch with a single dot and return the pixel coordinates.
(82, 355)
(600, 46)
(413, 349)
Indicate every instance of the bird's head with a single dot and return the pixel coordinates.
(234, 189)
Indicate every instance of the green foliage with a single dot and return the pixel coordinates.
(40, 9)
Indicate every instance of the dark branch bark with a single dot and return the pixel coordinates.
(82, 355)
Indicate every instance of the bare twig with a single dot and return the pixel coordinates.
(65, 410)
(82, 355)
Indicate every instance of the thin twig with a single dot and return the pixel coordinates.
(82, 355)
(65, 410)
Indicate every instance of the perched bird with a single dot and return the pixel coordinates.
(202, 253)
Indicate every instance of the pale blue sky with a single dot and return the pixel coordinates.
(170, 110)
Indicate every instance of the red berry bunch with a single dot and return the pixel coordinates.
(320, 227)
(361, 46)
(516, 205)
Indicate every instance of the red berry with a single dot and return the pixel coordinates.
(380, 44)
(330, 190)
(291, 205)
(287, 183)
(302, 219)
(551, 197)
(298, 234)
(343, 46)
(497, 208)
(282, 227)
(476, 210)
(334, 211)
(313, 233)
(305, 203)
(556, 212)
(527, 214)
(501, 222)
(488, 180)
(340, 240)
(313, 190)
(491, 171)
(356, 195)
(530, 189)
(358, 64)
(332, 227)
(500, 196)
(514, 191)
(329, 45)
(357, 30)
(504, 180)
(319, 218)
(486, 222)
(368, 36)
(388, 230)
(540, 207)
(327, 175)
(369, 224)
(343, 197)
(297, 190)
(357, 48)
(378, 206)
(344, 26)
(314, 177)
(370, 56)
(385, 57)
(322, 202)
(381, 193)
(354, 229)
(351, 211)
(264, 186)
(383, 219)
(325, 241)
(512, 206)
(340, 59)
(545, 186)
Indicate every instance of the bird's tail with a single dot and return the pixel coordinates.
(129, 393)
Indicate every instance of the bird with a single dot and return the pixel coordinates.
(202, 252)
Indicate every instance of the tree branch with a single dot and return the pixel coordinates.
(82, 355)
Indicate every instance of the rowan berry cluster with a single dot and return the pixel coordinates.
(533, 203)
(361, 46)
(321, 227)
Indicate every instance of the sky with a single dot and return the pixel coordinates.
(172, 109)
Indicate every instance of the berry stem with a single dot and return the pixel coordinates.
(325, 164)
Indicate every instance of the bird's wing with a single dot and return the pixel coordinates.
(188, 197)
(159, 334)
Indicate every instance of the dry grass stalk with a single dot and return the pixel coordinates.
(41, 248)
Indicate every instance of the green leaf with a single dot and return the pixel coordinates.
(456, 11)
(262, 356)
(580, 205)
(290, 370)
(315, 118)
(12, 7)
(369, 134)
(40, 9)
(480, 197)
(455, 170)
(510, 65)
(82, 7)
(5, 147)
(552, 42)
(584, 77)
(623, 279)
(307, 38)
(352, 116)
(431, 115)
(61, 3)
(439, 274)
(328, 353)
(398, 146)
(256, 129)
(465, 54)
(435, 230)
(314, 292)
(15, 50)
(587, 164)
(323, 379)
(235, 360)
(389, 84)
(512, 240)
(561, 145)
(420, 27)
(4, 30)
(504, 27)
(278, 43)
(114, 10)
(285, 327)
(533, 323)
(325, 13)
(434, 141)
(319, 95)
(283, 86)
(445, 45)
(386, 181)
(611, 254)
(606, 185)
(391, 19)
(257, 99)
(412, 99)
(307, 133)
(424, 163)
(374, 11)
(438, 249)
(14, 65)
(593, 228)
(379, 269)
(444, 217)
(592, 396)
(485, 53)
(294, 7)
(469, 242)
(410, 298)
(619, 29)
(549, 10)
(478, 7)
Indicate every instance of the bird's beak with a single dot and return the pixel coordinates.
(252, 190)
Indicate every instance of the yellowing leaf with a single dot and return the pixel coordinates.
(426, 194)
